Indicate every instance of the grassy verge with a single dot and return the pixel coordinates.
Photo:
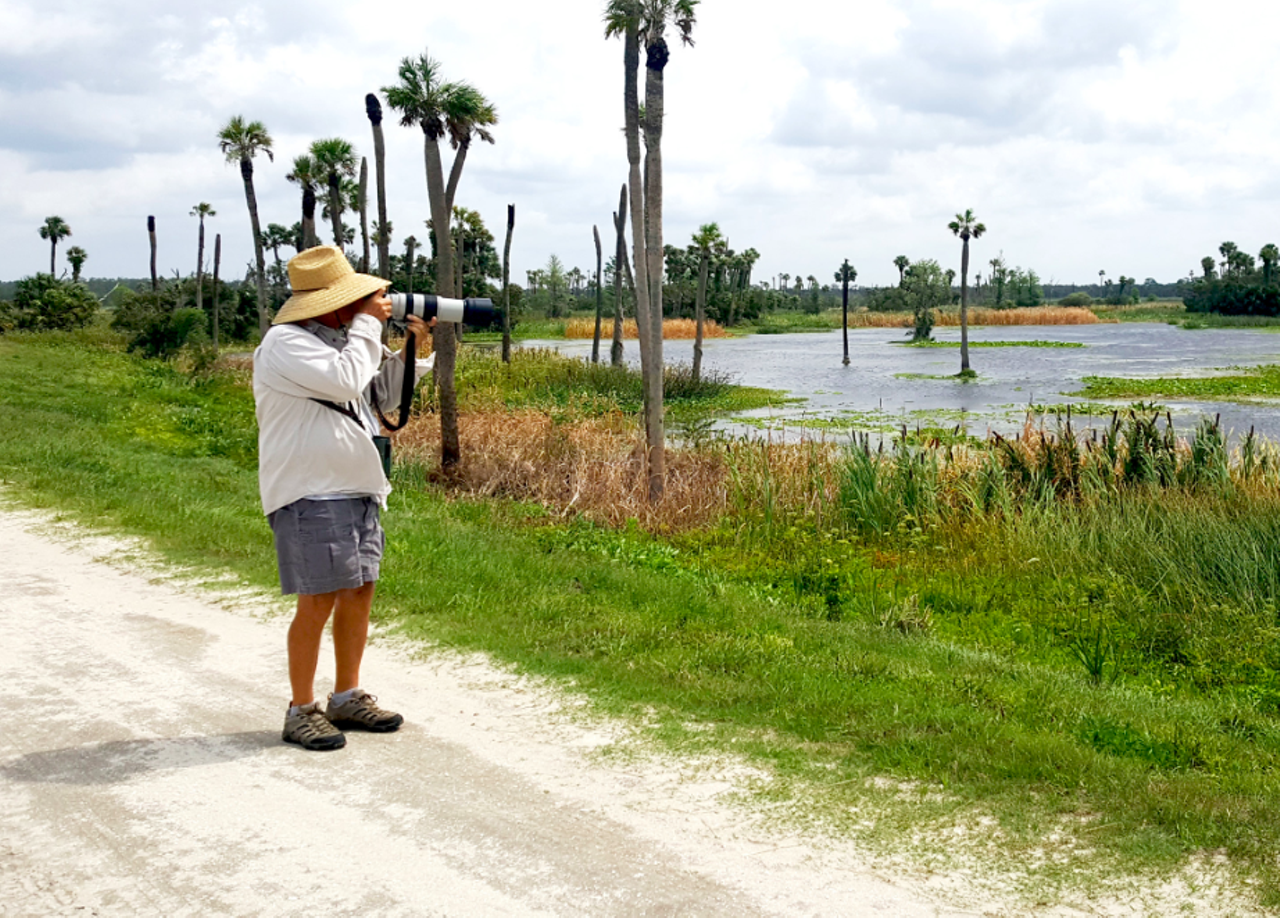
(1257, 382)
(1077, 671)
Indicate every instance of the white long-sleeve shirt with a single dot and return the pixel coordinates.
(306, 449)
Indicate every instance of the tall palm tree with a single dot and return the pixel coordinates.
(240, 142)
(335, 160)
(201, 210)
(1227, 250)
(77, 257)
(706, 240)
(846, 274)
(1269, 255)
(457, 111)
(1208, 265)
(643, 24)
(373, 108)
(306, 175)
(55, 229)
(967, 227)
(902, 262)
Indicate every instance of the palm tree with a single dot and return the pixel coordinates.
(1269, 255)
(1227, 250)
(55, 229)
(902, 262)
(458, 111)
(846, 274)
(1207, 264)
(240, 142)
(305, 174)
(373, 108)
(77, 256)
(705, 240)
(335, 160)
(643, 23)
(967, 227)
(201, 210)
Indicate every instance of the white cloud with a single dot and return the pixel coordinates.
(1085, 133)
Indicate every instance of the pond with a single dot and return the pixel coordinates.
(887, 385)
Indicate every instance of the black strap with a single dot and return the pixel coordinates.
(341, 409)
(407, 384)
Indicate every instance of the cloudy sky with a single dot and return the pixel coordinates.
(1131, 136)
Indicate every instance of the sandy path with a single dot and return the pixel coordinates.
(142, 773)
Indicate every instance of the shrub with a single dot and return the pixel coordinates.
(46, 303)
(166, 334)
(1079, 298)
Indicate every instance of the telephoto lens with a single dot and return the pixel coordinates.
(472, 311)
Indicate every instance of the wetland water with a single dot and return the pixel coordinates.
(887, 385)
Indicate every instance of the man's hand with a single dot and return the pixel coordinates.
(417, 328)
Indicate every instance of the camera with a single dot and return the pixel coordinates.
(472, 311)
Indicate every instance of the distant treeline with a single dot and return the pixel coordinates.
(98, 286)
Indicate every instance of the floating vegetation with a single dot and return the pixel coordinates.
(1256, 382)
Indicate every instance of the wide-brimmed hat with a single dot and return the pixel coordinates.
(323, 280)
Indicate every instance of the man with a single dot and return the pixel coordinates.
(321, 477)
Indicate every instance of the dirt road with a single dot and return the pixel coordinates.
(142, 773)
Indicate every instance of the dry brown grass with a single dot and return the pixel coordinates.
(672, 329)
(591, 468)
(1039, 315)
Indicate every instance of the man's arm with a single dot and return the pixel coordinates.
(300, 364)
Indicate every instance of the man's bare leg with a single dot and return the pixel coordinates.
(304, 643)
(350, 634)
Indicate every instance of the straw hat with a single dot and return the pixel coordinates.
(323, 280)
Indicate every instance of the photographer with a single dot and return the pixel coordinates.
(321, 476)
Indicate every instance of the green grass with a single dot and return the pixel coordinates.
(1169, 311)
(1201, 320)
(1257, 382)
(1112, 666)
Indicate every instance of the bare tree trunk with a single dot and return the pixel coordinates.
(335, 210)
(217, 264)
(620, 265)
(506, 285)
(699, 309)
(200, 268)
(373, 108)
(364, 213)
(309, 239)
(595, 342)
(151, 231)
(446, 340)
(246, 172)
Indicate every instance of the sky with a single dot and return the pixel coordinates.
(1126, 136)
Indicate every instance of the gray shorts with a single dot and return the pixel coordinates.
(327, 545)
